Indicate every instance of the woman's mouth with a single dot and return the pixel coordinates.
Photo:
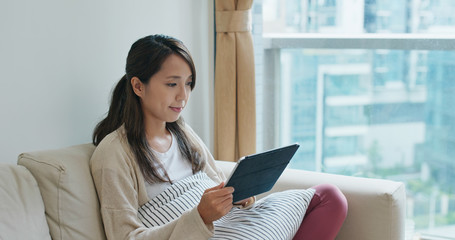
(176, 109)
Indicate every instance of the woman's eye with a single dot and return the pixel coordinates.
(171, 84)
(189, 83)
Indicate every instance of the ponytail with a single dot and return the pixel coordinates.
(115, 115)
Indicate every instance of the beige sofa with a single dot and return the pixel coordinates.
(50, 195)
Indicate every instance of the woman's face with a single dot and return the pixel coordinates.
(168, 91)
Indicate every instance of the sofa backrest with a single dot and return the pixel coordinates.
(68, 191)
(21, 206)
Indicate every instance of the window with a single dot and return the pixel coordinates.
(367, 88)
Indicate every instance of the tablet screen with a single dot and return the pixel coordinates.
(257, 173)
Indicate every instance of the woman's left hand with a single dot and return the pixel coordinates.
(245, 202)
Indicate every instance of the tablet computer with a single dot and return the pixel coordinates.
(257, 173)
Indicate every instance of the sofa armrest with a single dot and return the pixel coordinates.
(376, 206)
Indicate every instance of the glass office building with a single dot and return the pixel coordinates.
(383, 113)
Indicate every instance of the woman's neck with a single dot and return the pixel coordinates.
(158, 136)
(153, 129)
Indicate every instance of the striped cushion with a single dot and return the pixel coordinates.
(176, 199)
(277, 216)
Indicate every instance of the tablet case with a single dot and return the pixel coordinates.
(257, 173)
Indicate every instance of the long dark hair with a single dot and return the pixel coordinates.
(144, 60)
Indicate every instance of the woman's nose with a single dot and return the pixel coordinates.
(183, 93)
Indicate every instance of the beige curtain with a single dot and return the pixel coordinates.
(235, 112)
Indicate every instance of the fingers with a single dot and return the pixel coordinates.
(219, 190)
(217, 209)
(215, 203)
(219, 186)
(242, 201)
(226, 205)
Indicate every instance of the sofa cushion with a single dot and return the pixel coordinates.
(21, 209)
(66, 184)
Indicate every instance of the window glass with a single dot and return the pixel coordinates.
(382, 113)
(358, 16)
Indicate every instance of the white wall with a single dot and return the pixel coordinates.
(59, 60)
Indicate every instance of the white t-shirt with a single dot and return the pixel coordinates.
(176, 166)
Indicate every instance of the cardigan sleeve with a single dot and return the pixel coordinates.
(117, 184)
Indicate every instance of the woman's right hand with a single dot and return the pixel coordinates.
(215, 203)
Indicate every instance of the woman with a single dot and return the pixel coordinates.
(143, 147)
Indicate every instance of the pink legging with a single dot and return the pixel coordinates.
(325, 214)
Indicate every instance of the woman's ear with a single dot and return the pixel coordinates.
(138, 86)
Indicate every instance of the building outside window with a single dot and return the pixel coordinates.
(367, 88)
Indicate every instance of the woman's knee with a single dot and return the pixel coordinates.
(332, 196)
